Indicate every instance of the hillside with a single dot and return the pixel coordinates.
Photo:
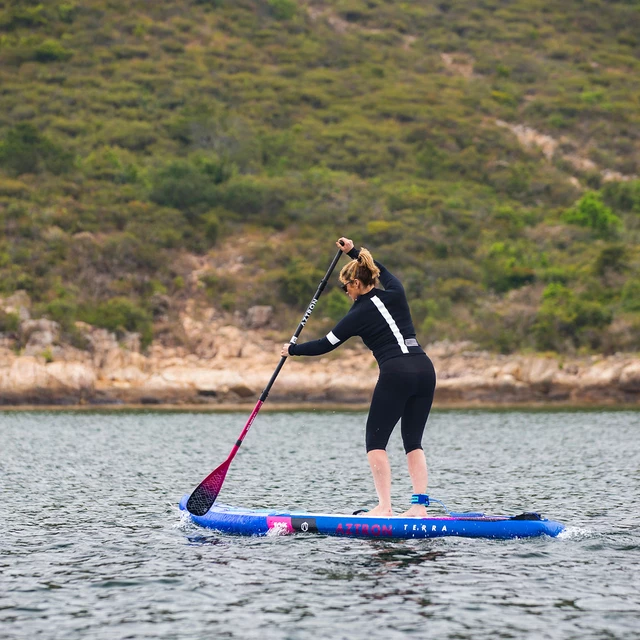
(488, 151)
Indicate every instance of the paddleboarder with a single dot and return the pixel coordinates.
(407, 379)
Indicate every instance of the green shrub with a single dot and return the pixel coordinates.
(9, 322)
(431, 308)
(124, 253)
(63, 311)
(432, 314)
(593, 97)
(299, 281)
(335, 304)
(245, 195)
(623, 196)
(228, 301)
(212, 166)
(120, 315)
(211, 282)
(630, 295)
(555, 274)
(131, 52)
(217, 285)
(26, 150)
(135, 136)
(460, 290)
(509, 220)
(182, 186)
(503, 330)
(504, 269)
(165, 229)
(505, 98)
(255, 197)
(612, 258)
(211, 228)
(12, 188)
(564, 317)
(592, 213)
(67, 12)
(23, 16)
(407, 196)
(384, 231)
(52, 51)
(113, 164)
(282, 9)
(173, 46)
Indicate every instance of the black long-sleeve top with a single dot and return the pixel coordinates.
(380, 317)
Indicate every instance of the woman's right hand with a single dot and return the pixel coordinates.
(346, 246)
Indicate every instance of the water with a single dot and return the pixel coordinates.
(93, 546)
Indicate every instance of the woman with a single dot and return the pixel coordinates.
(407, 378)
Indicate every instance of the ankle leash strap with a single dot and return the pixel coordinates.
(420, 498)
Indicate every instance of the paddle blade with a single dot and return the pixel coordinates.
(205, 494)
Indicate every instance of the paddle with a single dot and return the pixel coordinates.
(205, 494)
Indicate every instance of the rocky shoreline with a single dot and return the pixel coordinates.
(227, 366)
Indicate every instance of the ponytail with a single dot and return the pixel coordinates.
(363, 268)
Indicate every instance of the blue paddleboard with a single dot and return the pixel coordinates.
(260, 522)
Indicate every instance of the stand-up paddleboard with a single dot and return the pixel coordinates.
(260, 522)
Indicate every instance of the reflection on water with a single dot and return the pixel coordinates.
(205, 539)
(397, 555)
(94, 546)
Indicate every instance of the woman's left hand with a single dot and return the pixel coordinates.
(285, 350)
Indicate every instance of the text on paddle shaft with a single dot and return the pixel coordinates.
(309, 311)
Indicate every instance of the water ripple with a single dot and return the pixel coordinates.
(93, 545)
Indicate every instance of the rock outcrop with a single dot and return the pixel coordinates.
(224, 363)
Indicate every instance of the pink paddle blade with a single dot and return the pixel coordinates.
(205, 494)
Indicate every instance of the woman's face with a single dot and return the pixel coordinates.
(352, 288)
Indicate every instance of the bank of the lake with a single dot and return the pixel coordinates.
(223, 363)
(236, 366)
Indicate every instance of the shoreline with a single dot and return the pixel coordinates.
(298, 407)
(222, 370)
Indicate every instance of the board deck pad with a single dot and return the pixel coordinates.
(260, 522)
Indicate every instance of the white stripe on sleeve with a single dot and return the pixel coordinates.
(331, 337)
(391, 322)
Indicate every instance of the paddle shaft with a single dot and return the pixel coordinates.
(294, 339)
(205, 494)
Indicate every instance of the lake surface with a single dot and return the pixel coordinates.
(92, 544)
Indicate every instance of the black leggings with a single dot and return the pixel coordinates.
(404, 390)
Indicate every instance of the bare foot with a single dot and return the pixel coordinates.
(416, 511)
(378, 511)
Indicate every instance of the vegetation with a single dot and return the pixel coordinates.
(135, 135)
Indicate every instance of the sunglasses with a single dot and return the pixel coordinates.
(345, 285)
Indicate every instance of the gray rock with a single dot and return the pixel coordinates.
(38, 335)
(160, 305)
(259, 316)
(19, 303)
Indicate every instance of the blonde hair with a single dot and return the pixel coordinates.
(363, 268)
